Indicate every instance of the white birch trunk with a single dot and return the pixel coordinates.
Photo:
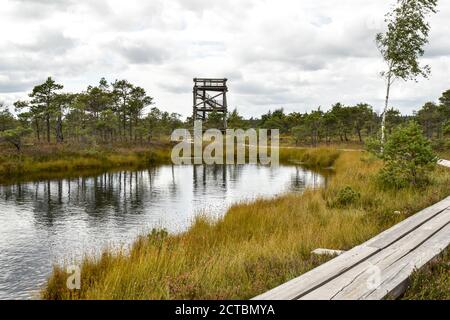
(383, 121)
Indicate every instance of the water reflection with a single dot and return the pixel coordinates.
(43, 222)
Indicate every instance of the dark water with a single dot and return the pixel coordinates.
(47, 221)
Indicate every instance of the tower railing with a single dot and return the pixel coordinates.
(210, 95)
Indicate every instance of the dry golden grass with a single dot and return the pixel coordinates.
(444, 154)
(256, 246)
(320, 158)
(63, 161)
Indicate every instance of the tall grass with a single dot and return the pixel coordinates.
(314, 158)
(255, 246)
(66, 161)
(444, 154)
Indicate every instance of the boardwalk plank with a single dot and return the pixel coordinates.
(312, 282)
(359, 281)
(315, 278)
(396, 279)
(444, 163)
(384, 239)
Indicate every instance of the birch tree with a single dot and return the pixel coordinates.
(403, 44)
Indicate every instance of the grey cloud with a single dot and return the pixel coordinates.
(309, 46)
(302, 54)
(39, 9)
(141, 53)
(311, 63)
(203, 5)
(11, 86)
(175, 88)
(321, 20)
(23, 68)
(257, 88)
(439, 45)
(233, 75)
(53, 3)
(148, 15)
(49, 41)
(202, 49)
(287, 100)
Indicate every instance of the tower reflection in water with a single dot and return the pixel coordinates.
(43, 222)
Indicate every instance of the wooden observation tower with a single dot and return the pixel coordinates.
(210, 95)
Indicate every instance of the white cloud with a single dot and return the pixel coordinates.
(297, 54)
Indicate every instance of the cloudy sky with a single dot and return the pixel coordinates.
(296, 54)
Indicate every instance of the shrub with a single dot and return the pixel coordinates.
(408, 157)
(346, 197)
(373, 145)
(446, 128)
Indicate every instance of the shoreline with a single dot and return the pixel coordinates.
(274, 239)
(61, 162)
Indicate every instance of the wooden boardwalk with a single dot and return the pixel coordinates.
(444, 163)
(379, 267)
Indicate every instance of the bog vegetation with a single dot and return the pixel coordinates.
(257, 245)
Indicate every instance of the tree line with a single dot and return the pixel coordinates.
(122, 112)
(106, 113)
(344, 124)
